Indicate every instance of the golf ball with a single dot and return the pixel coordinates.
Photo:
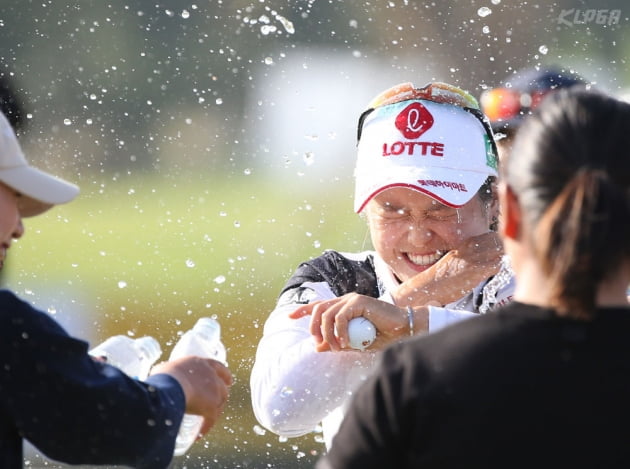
(361, 333)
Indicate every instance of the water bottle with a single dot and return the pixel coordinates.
(134, 357)
(203, 340)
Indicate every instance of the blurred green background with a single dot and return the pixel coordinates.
(214, 145)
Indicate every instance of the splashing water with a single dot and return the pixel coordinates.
(288, 25)
(502, 278)
(484, 11)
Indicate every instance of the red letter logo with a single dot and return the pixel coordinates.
(414, 120)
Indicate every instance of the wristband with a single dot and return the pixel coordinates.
(410, 319)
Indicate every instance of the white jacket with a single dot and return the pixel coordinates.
(295, 388)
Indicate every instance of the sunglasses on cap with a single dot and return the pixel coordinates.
(506, 103)
(436, 92)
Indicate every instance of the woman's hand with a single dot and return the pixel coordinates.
(206, 384)
(329, 320)
(455, 274)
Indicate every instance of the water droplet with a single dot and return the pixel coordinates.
(122, 284)
(258, 430)
(185, 14)
(543, 50)
(484, 11)
(268, 61)
(286, 391)
(219, 279)
(309, 158)
(247, 171)
(190, 263)
(288, 25)
(67, 122)
(260, 250)
(502, 278)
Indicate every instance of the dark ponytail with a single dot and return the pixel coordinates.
(570, 169)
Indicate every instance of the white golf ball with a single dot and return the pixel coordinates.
(361, 333)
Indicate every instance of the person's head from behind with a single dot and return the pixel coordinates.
(24, 190)
(507, 105)
(425, 174)
(565, 198)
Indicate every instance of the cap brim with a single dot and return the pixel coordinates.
(436, 183)
(40, 191)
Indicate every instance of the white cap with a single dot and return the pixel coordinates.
(441, 150)
(40, 190)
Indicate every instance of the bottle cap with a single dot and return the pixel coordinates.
(209, 323)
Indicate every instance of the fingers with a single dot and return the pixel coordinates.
(301, 311)
(321, 327)
(211, 417)
(330, 318)
(223, 372)
(313, 309)
(333, 322)
(206, 385)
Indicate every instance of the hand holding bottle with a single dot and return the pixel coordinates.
(206, 384)
(198, 363)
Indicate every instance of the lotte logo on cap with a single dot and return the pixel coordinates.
(414, 120)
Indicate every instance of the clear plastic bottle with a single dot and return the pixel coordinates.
(134, 357)
(203, 340)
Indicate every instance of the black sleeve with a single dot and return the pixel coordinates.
(74, 409)
(344, 275)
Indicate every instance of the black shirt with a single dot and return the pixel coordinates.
(73, 408)
(517, 387)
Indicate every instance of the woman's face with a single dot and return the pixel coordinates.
(10, 220)
(411, 231)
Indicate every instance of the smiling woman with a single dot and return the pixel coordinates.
(411, 231)
(425, 182)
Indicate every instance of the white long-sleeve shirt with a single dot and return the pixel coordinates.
(294, 388)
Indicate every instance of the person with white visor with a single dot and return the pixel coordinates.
(425, 182)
